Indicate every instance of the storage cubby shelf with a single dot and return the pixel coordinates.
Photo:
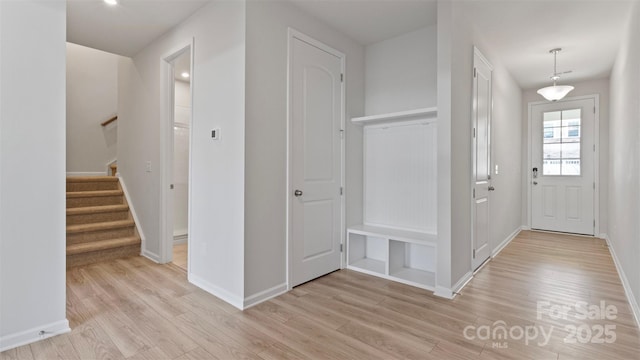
(405, 256)
(401, 116)
(396, 234)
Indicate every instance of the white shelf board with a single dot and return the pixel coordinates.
(375, 267)
(415, 277)
(417, 114)
(423, 238)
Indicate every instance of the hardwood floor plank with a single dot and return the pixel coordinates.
(20, 353)
(94, 343)
(214, 342)
(57, 347)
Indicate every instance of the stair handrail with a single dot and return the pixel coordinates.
(107, 122)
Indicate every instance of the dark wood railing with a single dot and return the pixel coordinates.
(107, 122)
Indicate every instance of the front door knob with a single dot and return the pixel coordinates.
(298, 193)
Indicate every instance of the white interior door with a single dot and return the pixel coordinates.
(316, 165)
(481, 158)
(562, 174)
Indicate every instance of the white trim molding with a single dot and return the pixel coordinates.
(462, 283)
(180, 239)
(144, 252)
(265, 295)
(443, 292)
(216, 291)
(447, 293)
(34, 334)
(635, 308)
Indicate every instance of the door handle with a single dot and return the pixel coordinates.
(297, 193)
(535, 183)
(491, 188)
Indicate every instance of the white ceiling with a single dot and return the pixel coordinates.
(519, 32)
(126, 28)
(522, 32)
(371, 21)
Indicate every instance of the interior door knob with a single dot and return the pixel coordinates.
(535, 183)
(297, 193)
(491, 188)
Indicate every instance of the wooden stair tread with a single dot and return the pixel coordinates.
(71, 229)
(102, 245)
(96, 209)
(91, 179)
(80, 194)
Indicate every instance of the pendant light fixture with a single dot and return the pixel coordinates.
(555, 92)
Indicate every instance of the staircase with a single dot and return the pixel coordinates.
(99, 224)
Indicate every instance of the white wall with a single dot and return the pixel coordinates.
(589, 87)
(217, 167)
(266, 140)
(182, 110)
(32, 143)
(456, 38)
(624, 160)
(92, 97)
(400, 73)
(506, 146)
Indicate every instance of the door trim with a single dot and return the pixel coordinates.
(291, 35)
(166, 151)
(596, 158)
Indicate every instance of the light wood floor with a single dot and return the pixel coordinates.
(139, 310)
(180, 256)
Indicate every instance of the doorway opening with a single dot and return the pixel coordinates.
(176, 157)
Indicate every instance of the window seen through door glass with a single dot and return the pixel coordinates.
(561, 142)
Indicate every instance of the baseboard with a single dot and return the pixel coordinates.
(625, 282)
(137, 221)
(151, 256)
(265, 295)
(34, 334)
(180, 239)
(525, 227)
(443, 292)
(216, 291)
(505, 242)
(79, 173)
(462, 282)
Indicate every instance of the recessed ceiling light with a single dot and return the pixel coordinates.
(185, 74)
(111, 2)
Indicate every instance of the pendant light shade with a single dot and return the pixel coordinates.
(555, 92)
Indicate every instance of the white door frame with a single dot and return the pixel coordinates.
(596, 158)
(167, 85)
(291, 35)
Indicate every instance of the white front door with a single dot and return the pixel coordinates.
(481, 158)
(562, 173)
(315, 160)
